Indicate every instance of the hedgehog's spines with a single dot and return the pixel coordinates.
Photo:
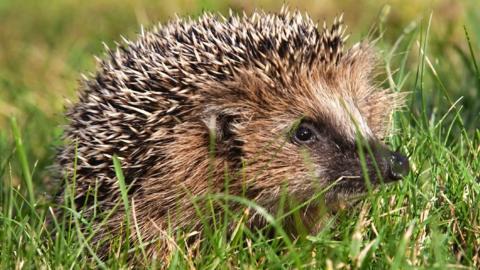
(153, 102)
(172, 62)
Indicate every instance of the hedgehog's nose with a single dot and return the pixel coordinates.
(398, 166)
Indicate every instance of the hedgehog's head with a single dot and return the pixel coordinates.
(307, 120)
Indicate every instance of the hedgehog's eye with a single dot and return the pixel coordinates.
(304, 134)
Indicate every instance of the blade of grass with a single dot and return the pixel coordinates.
(22, 157)
(123, 190)
(472, 54)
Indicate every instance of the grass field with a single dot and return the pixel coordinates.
(430, 220)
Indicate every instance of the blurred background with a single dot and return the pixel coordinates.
(46, 45)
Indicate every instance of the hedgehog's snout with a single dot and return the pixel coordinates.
(394, 165)
(398, 166)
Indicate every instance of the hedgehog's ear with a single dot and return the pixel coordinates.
(220, 125)
(222, 132)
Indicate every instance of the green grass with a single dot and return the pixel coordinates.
(430, 220)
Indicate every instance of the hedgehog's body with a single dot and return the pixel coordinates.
(246, 82)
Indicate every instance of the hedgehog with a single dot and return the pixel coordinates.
(271, 99)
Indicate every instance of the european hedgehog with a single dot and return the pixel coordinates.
(268, 101)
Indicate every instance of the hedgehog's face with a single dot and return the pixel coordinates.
(335, 135)
(349, 164)
(325, 129)
(320, 145)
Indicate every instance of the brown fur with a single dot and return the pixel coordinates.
(246, 81)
